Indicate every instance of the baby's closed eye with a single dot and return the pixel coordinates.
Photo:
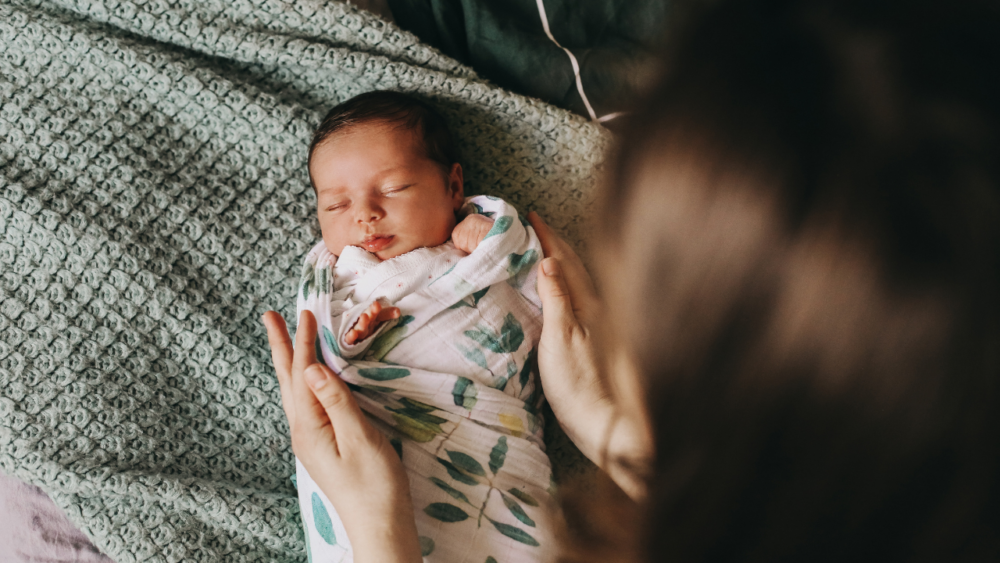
(395, 189)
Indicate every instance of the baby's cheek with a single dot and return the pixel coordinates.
(334, 241)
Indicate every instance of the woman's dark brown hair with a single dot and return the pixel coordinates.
(805, 216)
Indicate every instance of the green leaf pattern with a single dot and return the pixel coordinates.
(383, 374)
(515, 533)
(516, 510)
(390, 338)
(526, 368)
(455, 493)
(507, 341)
(414, 420)
(523, 497)
(520, 266)
(306, 279)
(426, 546)
(466, 463)
(474, 355)
(331, 342)
(322, 521)
(464, 393)
(500, 227)
(498, 454)
(456, 474)
(445, 512)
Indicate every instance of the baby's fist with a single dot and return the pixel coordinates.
(470, 232)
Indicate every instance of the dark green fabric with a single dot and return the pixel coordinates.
(503, 40)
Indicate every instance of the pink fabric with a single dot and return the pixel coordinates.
(34, 530)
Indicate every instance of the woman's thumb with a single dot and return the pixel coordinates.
(557, 305)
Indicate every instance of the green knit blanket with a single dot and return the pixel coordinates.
(154, 202)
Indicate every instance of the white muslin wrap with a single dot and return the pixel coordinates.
(453, 384)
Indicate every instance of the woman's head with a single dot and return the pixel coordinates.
(809, 209)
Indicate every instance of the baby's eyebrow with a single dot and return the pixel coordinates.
(387, 171)
(331, 194)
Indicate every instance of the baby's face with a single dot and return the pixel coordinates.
(377, 189)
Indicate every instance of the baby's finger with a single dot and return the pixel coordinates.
(388, 314)
(362, 325)
(484, 229)
(349, 425)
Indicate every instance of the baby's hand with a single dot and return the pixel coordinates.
(470, 232)
(369, 322)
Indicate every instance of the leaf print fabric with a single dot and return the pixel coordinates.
(464, 393)
(321, 518)
(498, 454)
(451, 382)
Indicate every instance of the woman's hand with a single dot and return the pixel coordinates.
(351, 461)
(575, 374)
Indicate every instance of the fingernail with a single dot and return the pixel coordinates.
(315, 377)
(550, 267)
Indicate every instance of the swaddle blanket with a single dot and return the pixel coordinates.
(154, 203)
(452, 382)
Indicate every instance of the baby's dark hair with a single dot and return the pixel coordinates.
(393, 107)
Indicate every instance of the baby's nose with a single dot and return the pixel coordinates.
(369, 213)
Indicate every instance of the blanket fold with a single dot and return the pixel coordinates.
(154, 202)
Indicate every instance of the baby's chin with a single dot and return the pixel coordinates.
(392, 251)
(398, 248)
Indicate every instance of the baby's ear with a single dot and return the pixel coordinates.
(456, 186)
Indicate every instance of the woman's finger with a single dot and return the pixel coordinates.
(557, 304)
(280, 343)
(576, 277)
(305, 343)
(308, 411)
(281, 356)
(342, 410)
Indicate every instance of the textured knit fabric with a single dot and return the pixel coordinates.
(451, 382)
(154, 202)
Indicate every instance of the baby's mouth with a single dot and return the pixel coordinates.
(376, 243)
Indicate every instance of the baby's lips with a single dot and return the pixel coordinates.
(377, 243)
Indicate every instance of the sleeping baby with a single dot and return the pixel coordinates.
(426, 305)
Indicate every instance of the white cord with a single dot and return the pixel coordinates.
(572, 60)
